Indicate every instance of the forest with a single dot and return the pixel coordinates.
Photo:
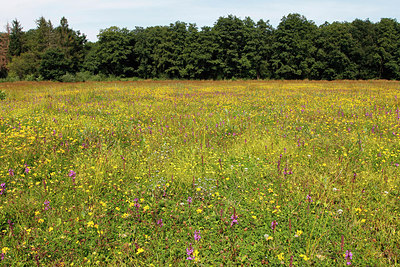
(233, 48)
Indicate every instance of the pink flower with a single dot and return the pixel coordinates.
(197, 236)
(273, 225)
(189, 252)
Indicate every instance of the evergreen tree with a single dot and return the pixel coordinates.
(16, 39)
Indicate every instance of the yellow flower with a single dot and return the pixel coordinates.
(5, 250)
(40, 220)
(198, 189)
(90, 224)
(146, 207)
(298, 233)
(196, 255)
(304, 257)
(281, 257)
(199, 210)
(51, 229)
(140, 250)
(267, 237)
(254, 217)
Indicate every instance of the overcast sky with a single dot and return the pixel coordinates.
(89, 16)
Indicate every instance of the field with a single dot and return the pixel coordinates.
(199, 173)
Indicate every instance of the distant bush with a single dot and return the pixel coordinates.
(2, 95)
(30, 78)
(83, 76)
(68, 78)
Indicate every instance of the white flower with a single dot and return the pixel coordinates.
(339, 211)
(335, 189)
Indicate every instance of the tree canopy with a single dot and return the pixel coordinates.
(232, 48)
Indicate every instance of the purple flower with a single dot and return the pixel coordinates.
(2, 256)
(309, 198)
(273, 225)
(234, 220)
(189, 200)
(160, 223)
(189, 252)
(46, 205)
(197, 236)
(3, 188)
(137, 205)
(72, 174)
(11, 172)
(349, 255)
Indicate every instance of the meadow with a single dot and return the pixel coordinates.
(179, 173)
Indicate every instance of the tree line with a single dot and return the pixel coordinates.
(233, 48)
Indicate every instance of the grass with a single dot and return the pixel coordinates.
(208, 173)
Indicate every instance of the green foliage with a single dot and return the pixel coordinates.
(3, 95)
(114, 52)
(16, 39)
(26, 64)
(294, 49)
(233, 48)
(54, 64)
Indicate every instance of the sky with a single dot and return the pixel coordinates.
(89, 16)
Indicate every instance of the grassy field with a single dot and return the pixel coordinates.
(183, 173)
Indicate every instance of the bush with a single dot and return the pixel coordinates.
(68, 78)
(30, 78)
(83, 76)
(2, 95)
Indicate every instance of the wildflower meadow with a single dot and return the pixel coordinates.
(179, 173)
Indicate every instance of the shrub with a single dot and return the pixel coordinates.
(2, 95)
(68, 78)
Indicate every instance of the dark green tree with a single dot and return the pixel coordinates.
(365, 52)
(258, 49)
(44, 35)
(335, 44)
(115, 52)
(205, 55)
(388, 42)
(54, 64)
(230, 34)
(16, 39)
(294, 49)
(71, 43)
